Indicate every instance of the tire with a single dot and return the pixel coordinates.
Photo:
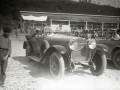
(100, 62)
(116, 59)
(57, 65)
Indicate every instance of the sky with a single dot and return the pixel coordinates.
(114, 3)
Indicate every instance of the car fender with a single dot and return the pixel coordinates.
(50, 50)
(102, 47)
(60, 49)
(99, 47)
(117, 46)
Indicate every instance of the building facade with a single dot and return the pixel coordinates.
(67, 21)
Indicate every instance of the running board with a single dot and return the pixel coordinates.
(35, 58)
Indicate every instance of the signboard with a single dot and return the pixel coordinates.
(55, 27)
(66, 28)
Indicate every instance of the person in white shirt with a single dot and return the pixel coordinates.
(117, 37)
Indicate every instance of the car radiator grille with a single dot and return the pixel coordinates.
(79, 55)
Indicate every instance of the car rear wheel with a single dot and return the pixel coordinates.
(100, 63)
(57, 65)
(116, 59)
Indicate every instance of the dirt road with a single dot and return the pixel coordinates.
(25, 75)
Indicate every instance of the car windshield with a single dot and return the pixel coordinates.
(49, 30)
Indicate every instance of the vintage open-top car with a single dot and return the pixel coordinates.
(63, 52)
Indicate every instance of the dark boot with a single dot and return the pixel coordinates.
(1, 81)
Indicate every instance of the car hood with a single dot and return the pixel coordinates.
(64, 38)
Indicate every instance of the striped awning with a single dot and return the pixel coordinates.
(71, 18)
(43, 16)
(35, 18)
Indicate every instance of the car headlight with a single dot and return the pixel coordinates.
(73, 45)
(92, 44)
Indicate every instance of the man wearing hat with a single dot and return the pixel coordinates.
(5, 52)
(37, 33)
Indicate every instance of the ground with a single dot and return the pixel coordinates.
(25, 75)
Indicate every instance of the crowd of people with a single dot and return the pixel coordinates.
(107, 34)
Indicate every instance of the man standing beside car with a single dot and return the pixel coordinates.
(5, 52)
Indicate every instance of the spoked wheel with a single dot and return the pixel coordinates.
(100, 63)
(57, 65)
(116, 59)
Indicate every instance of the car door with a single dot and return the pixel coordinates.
(34, 44)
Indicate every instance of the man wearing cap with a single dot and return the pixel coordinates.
(5, 52)
(37, 33)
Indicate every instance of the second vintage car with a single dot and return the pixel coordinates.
(63, 52)
(113, 45)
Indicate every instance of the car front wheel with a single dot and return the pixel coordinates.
(100, 63)
(116, 59)
(57, 65)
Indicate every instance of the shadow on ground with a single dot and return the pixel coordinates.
(35, 69)
(39, 70)
(110, 65)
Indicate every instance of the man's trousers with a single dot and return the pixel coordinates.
(3, 65)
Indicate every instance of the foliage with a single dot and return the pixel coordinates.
(11, 8)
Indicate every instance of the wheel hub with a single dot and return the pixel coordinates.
(53, 66)
(92, 65)
(118, 60)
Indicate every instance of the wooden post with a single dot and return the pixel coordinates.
(50, 23)
(102, 26)
(23, 26)
(69, 25)
(30, 24)
(33, 25)
(21, 23)
(86, 25)
(117, 25)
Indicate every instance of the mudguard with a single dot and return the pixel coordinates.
(99, 47)
(58, 48)
(117, 46)
(102, 47)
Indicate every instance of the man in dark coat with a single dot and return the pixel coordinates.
(5, 52)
